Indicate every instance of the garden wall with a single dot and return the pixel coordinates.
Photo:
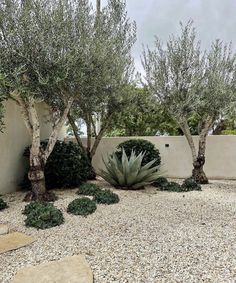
(176, 155)
(12, 143)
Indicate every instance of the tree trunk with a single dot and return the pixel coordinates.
(75, 130)
(97, 141)
(198, 172)
(36, 177)
(89, 133)
(198, 158)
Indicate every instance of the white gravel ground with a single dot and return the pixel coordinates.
(148, 237)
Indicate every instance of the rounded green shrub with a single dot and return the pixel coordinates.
(171, 187)
(160, 182)
(106, 197)
(88, 189)
(190, 184)
(138, 146)
(67, 166)
(82, 206)
(42, 215)
(3, 204)
(34, 205)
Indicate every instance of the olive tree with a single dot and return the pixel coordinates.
(189, 81)
(109, 71)
(43, 44)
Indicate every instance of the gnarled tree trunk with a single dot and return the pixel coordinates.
(198, 172)
(198, 157)
(37, 178)
(38, 156)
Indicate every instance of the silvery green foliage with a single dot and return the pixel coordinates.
(109, 64)
(186, 79)
(129, 172)
(43, 46)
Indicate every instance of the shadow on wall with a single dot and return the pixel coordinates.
(13, 141)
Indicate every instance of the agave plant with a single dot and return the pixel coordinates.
(129, 172)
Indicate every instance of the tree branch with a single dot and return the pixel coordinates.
(24, 111)
(75, 130)
(56, 130)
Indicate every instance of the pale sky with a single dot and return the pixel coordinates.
(212, 19)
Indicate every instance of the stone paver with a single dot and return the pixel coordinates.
(73, 269)
(14, 241)
(4, 229)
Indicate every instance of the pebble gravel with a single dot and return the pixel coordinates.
(148, 237)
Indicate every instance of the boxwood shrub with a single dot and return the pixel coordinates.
(67, 166)
(140, 145)
(82, 206)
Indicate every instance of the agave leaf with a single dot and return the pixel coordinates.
(149, 164)
(107, 177)
(125, 164)
(145, 173)
(109, 165)
(118, 162)
(129, 172)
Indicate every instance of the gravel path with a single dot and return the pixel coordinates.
(149, 237)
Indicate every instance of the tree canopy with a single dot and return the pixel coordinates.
(43, 51)
(189, 81)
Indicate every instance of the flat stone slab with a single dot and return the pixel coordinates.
(4, 229)
(73, 269)
(14, 241)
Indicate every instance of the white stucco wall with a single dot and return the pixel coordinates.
(177, 160)
(12, 143)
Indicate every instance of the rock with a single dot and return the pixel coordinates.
(14, 241)
(4, 229)
(73, 269)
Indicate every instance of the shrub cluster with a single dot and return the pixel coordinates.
(82, 206)
(106, 197)
(160, 182)
(42, 215)
(138, 146)
(88, 189)
(171, 186)
(3, 204)
(189, 184)
(67, 166)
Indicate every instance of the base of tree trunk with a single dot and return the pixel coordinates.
(199, 176)
(47, 197)
(92, 175)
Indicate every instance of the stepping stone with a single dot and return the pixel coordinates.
(73, 269)
(14, 241)
(4, 229)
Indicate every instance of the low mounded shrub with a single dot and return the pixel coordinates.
(67, 166)
(190, 184)
(160, 182)
(82, 206)
(138, 146)
(172, 187)
(88, 189)
(3, 204)
(42, 215)
(106, 197)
